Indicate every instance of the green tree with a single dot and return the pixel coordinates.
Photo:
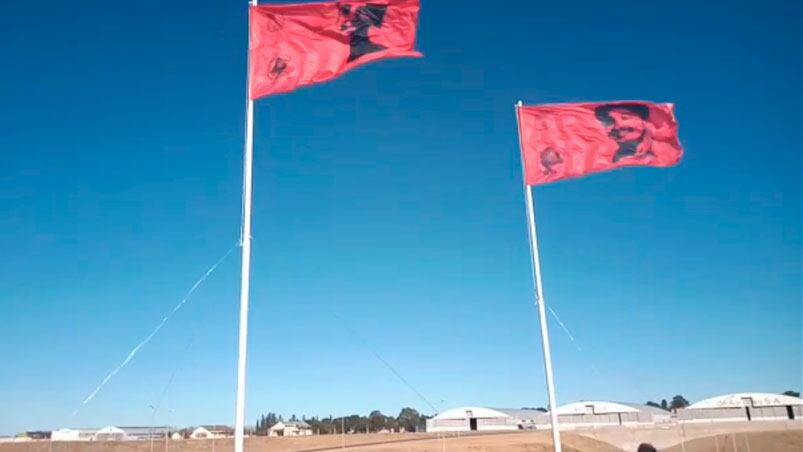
(409, 419)
(664, 405)
(392, 424)
(377, 421)
(265, 422)
(792, 393)
(678, 402)
(355, 423)
(322, 426)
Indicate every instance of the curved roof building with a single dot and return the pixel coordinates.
(474, 418)
(745, 406)
(595, 413)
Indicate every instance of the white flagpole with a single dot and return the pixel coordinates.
(245, 278)
(539, 297)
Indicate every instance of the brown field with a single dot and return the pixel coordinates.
(760, 441)
(521, 442)
(787, 441)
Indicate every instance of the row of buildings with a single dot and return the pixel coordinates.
(283, 428)
(744, 407)
(114, 433)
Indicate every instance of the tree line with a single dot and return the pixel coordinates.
(408, 419)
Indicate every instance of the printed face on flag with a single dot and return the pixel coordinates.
(360, 23)
(572, 140)
(293, 45)
(627, 125)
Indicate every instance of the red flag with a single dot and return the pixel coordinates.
(572, 140)
(300, 44)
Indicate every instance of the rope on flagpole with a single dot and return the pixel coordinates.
(364, 342)
(573, 340)
(153, 333)
(565, 329)
(610, 375)
(172, 377)
(404, 380)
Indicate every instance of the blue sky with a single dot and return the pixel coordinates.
(388, 213)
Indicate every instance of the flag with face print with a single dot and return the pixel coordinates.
(571, 140)
(293, 45)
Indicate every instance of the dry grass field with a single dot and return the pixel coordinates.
(514, 442)
(761, 441)
(785, 441)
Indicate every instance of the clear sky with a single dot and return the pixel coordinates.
(388, 213)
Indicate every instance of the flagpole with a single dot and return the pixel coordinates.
(539, 296)
(245, 271)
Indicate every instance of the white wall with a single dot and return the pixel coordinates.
(68, 434)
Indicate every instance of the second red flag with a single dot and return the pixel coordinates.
(572, 140)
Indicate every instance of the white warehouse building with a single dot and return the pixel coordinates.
(594, 414)
(473, 418)
(73, 434)
(111, 433)
(590, 414)
(743, 407)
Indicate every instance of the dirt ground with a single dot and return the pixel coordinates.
(788, 441)
(513, 442)
(762, 441)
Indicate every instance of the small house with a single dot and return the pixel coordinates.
(290, 428)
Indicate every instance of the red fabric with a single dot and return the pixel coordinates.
(572, 140)
(293, 45)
